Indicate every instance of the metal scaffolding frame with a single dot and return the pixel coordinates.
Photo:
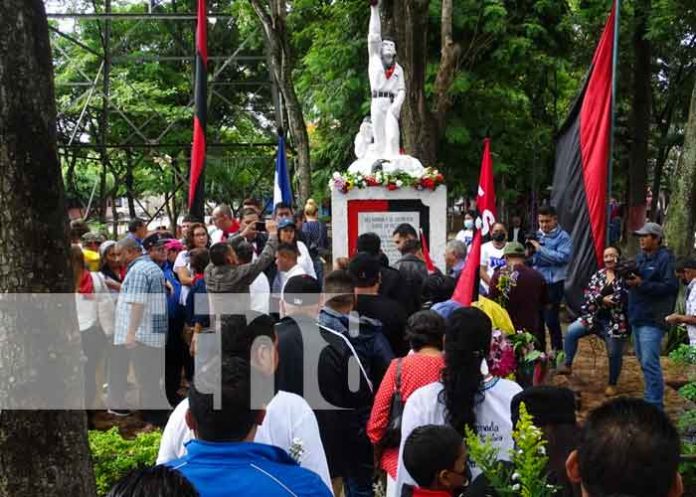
(99, 85)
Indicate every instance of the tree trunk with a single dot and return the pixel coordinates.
(419, 137)
(271, 14)
(640, 123)
(681, 215)
(42, 453)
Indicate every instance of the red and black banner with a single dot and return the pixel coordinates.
(583, 149)
(196, 194)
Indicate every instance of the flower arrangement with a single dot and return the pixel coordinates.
(507, 280)
(527, 476)
(501, 360)
(345, 182)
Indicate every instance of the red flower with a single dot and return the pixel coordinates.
(372, 181)
(391, 186)
(428, 183)
(439, 178)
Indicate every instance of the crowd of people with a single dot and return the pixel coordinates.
(373, 367)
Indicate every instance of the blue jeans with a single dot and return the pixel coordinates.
(647, 342)
(615, 347)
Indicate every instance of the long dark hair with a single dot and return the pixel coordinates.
(467, 343)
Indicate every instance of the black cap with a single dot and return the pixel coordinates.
(302, 290)
(364, 268)
(548, 405)
(687, 263)
(153, 240)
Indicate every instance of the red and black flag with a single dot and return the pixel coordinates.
(583, 154)
(196, 194)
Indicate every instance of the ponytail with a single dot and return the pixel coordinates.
(467, 343)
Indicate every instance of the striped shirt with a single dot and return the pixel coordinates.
(144, 284)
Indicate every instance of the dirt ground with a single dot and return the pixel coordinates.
(591, 371)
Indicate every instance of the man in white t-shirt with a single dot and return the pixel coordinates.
(492, 255)
(688, 269)
(286, 262)
(289, 421)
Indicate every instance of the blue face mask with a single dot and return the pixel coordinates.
(469, 224)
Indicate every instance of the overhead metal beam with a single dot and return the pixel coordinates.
(179, 58)
(167, 145)
(133, 16)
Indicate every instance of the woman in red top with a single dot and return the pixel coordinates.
(424, 331)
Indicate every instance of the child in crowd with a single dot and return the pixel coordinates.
(436, 458)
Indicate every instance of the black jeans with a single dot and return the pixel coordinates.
(177, 357)
(94, 347)
(555, 293)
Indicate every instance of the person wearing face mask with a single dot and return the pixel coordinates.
(492, 255)
(688, 277)
(466, 234)
(603, 313)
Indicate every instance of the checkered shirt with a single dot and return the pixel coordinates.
(144, 284)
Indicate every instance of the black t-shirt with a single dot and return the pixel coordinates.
(391, 314)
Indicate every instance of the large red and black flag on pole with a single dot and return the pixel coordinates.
(582, 168)
(196, 194)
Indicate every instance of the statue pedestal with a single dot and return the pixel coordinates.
(379, 210)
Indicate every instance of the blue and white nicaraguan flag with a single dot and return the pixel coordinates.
(282, 191)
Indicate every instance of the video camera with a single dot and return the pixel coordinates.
(529, 237)
(627, 269)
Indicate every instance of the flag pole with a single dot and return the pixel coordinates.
(614, 64)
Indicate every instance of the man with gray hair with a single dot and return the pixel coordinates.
(139, 333)
(455, 257)
(224, 221)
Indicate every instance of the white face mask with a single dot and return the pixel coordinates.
(469, 224)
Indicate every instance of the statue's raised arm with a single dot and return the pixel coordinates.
(374, 35)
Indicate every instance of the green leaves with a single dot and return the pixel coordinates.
(114, 456)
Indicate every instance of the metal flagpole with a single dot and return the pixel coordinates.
(614, 64)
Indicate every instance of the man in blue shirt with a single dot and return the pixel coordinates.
(224, 460)
(651, 298)
(552, 250)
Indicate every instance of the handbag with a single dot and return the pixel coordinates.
(392, 435)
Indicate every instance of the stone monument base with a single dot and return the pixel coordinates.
(379, 210)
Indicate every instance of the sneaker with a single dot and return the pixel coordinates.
(610, 391)
(564, 370)
(121, 413)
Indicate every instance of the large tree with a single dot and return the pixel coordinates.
(681, 215)
(272, 15)
(42, 453)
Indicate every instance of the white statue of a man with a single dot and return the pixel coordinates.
(387, 86)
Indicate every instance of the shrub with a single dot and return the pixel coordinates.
(114, 456)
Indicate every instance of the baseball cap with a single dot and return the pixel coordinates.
(153, 240)
(173, 244)
(92, 237)
(650, 229)
(302, 290)
(286, 223)
(514, 248)
(548, 405)
(687, 263)
(364, 268)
